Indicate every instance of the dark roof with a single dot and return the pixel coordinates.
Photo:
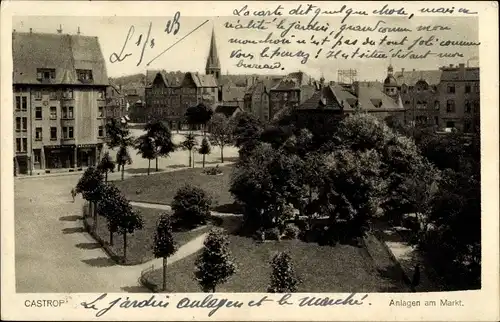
(203, 80)
(410, 78)
(213, 57)
(322, 99)
(293, 81)
(227, 110)
(62, 52)
(390, 81)
(455, 74)
(233, 94)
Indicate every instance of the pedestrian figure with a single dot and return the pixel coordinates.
(416, 277)
(73, 194)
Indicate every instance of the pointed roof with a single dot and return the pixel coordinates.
(213, 57)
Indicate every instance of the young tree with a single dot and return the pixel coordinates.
(162, 139)
(90, 186)
(145, 144)
(106, 165)
(111, 206)
(129, 221)
(191, 206)
(214, 265)
(164, 243)
(221, 132)
(118, 136)
(204, 149)
(189, 144)
(283, 276)
(123, 158)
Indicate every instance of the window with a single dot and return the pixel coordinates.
(468, 108)
(70, 112)
(65, 132)
(25, 124)
(25, 144)
(38, 95)
(476, 87)
(451, 88)
(24, 105)
(450, 124)
(53, 113)
(407, 102)
(18, 124)
(450, 106)
(18, 103)
(70, 132)
(100, 132)
(436, 120)
(45, 74)
(476, 106)
(68, 94)
(100, 112)
(36, 156)
(436, 105)
(53, 133)
(101, 95)
(84, 75)
(18, 145)
(38, 134)
(467, 88)
(64, 112)
(38, 112)
(53, 95)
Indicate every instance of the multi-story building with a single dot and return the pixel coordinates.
(116, 104)
(59, 85)
(446, 98)
(290, 92)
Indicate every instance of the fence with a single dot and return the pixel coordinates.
(145, 282)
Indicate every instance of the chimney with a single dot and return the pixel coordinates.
(451, 65)
(31, 30)
(59, 31)
(402, 70)
(413, 69)
(78, 32)
(462, 70)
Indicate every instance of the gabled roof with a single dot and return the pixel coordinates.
(293, 81)
(321, 99)
(410, 78)
(62, 52)
(227, 110)
(203, 80)
(367, 98)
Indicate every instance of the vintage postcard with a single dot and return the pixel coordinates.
(250, 160)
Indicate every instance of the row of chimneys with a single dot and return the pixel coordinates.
(59, 31)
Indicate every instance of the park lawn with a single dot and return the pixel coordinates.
(140, 243)
(161, 188)
(342, 268)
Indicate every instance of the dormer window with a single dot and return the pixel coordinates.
(84, 75)
(45, 74)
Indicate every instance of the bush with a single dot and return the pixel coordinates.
(191, 206)
(272, 234)
(283, 276)
(291, 231)
(213, 171)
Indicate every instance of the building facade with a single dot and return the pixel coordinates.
(290, 92)
(116, 104)
(446, 98)
(59, 101)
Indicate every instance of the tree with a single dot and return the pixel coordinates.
(164, 243)
(214, 265)
(129, 221)
(221, 132)
(106, 165)
(90, 186)
(145, 144)
(199, 115)
(111, 206)
(162, 139)
(123, 158)
(118, 136)
(352, 190)
(283, 276)
(204, 149)
(191, 206)
(247, 129)
(189, 144)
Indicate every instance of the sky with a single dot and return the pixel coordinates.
(190, 53)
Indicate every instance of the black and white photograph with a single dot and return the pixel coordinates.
(271, 148)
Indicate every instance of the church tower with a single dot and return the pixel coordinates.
(390, 83)
(213, 63)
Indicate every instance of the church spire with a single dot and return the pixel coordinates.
(213, 63)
